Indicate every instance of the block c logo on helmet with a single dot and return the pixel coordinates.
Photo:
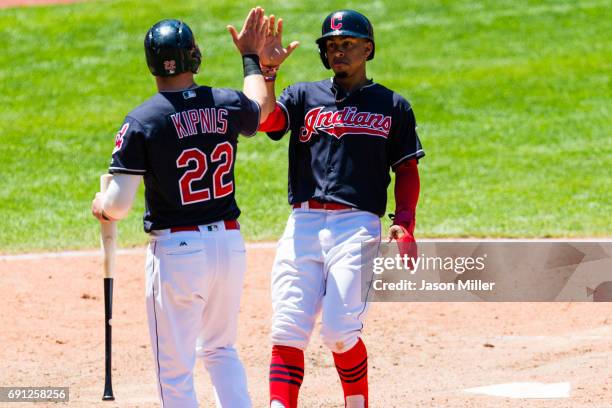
(336, 22)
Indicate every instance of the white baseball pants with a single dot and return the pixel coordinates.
(318, 269)
(193, 288)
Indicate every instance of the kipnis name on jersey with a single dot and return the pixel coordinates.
(194, 121)
(343, 122)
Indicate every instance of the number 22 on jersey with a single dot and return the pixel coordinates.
(223, 153)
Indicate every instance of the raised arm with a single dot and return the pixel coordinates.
(273, 53)
(250, 42)
(272, 56)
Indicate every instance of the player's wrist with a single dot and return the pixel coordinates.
(110, 218)
(250, 64)
(269, 72)
(405, 220)
(402, 217)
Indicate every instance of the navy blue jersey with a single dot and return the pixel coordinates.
(184, 144)
(342, 145)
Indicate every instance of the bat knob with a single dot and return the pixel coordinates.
(108, 392)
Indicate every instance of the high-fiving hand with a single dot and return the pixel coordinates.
(273, 54)
(253, 35)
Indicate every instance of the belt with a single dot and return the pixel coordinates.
(229, 225)
(318, 205)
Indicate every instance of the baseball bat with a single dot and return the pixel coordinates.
(108, 235)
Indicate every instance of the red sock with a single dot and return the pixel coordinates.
(352, 366)
(286, 374)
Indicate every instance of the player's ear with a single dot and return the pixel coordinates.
(368, 48)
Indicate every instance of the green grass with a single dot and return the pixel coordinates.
(512, 99)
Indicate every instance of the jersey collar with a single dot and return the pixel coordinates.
(341, 95)
(191, 87)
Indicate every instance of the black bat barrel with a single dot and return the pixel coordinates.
(108, 315)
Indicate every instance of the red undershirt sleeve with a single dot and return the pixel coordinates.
(275, 121)
(407, 188)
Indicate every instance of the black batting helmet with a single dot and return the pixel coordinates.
(349, 23)
(171, 49)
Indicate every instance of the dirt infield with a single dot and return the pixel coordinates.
(421, 355)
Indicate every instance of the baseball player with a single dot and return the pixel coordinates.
(347, 132)
(183, 143)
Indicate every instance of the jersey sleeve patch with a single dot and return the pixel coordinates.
(119, 137)
(129, 153)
